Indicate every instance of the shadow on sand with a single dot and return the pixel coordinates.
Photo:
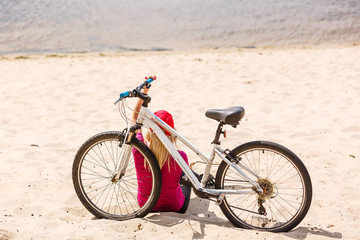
(304, 232)
(199, 212)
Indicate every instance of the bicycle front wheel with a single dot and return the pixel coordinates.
(286, 184)
(94, 169)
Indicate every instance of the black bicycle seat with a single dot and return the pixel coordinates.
(230, 116)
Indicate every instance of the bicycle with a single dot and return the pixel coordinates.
(258, 185)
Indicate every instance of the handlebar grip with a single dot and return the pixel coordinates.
(124, 94)
(149, 80)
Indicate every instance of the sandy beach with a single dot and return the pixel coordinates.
(305, 98)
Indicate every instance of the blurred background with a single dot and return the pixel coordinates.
(38, 26)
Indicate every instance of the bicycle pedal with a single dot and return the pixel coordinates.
(185, 181)
(210, 182)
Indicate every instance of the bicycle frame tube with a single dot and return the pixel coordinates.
(150, 120)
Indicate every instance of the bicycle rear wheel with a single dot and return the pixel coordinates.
(94, 168)
(282, 176)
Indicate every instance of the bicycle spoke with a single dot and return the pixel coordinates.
(96, 163)
(259, 164)
(291, 201)
(271, 166)
(100, 193)
(102, 156)
(132, 195)
(117, 200)
(128, 201)
(274, 167)
(249, 212)
(95, 173)
(111, 154)
(288, 202)
(251, 166)
(130, 192)
(283, 209)
(143, 194)
(279, 169)
(236, 199)
(287, 181)
(112, 196)
(122, 196)
(100, 164)
(106, 197)
(267, 203)
(118, 158)
(92, 182)
(236, 172)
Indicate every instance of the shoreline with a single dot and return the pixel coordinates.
(25, 55)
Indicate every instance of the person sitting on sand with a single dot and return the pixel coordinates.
(173, 196)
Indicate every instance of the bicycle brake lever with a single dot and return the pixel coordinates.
(117, 101)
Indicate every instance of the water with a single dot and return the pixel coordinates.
(113, 25)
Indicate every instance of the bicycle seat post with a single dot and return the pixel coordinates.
(218, 132)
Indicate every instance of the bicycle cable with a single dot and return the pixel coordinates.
(122, 112)
(122, 106)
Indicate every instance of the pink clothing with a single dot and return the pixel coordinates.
(171, 197)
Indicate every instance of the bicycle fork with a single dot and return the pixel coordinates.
(125, 155)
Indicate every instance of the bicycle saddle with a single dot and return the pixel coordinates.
(229, 116)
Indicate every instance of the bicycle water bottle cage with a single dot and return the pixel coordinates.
(230, 116)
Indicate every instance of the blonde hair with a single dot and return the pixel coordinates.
(161, 153)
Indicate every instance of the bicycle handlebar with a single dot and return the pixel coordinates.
(137, 91)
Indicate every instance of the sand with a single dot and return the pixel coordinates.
(306, 99)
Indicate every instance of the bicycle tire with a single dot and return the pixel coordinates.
(284, 179)
(93, 170)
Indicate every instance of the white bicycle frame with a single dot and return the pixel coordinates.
(149, 119)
